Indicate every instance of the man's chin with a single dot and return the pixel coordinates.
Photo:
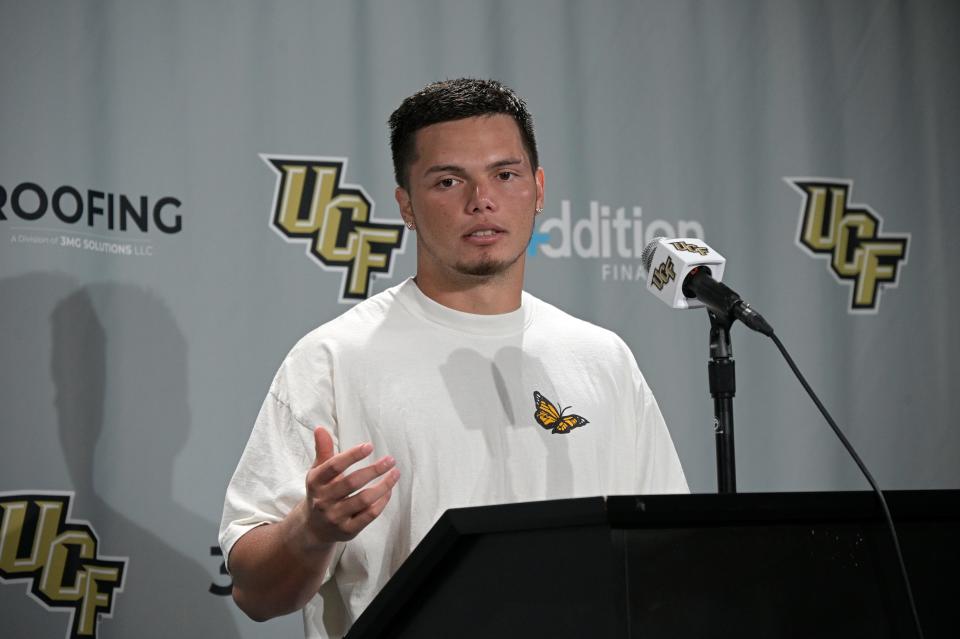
(486, 268)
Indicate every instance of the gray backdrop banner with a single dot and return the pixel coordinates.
(151, 279)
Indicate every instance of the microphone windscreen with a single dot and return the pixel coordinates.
(646, 258)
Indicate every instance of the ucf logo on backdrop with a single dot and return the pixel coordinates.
(58, 558)
(312, 204)
(849, 236)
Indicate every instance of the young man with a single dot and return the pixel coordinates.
(478, 392)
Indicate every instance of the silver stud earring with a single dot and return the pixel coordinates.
(539, 210)
(410, 225)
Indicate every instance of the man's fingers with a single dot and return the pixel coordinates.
(362, 519)
(346, 485)
(323, 444)
(343, 518)
(366, 498)
(344, 504)
(337, 464)
(378, 506)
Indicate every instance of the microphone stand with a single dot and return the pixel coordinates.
(723, 386)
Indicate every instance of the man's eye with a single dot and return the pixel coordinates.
(447, 182)
(505, 175)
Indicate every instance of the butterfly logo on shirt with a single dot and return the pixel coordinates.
(554, 420)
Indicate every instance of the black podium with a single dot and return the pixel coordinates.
(737, 565)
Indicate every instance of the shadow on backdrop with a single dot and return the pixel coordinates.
(119, 368)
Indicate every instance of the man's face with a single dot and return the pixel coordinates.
(472, 196)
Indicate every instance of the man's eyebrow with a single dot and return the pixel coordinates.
(454, 168)
(505, 162)
(444, 168)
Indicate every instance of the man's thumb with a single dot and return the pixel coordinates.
(323, 444)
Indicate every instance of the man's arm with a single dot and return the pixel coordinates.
(277, 568)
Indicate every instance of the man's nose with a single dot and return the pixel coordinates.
(481, 200)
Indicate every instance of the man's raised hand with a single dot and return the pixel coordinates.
(337, 507)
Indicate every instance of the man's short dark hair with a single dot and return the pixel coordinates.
(454, 100)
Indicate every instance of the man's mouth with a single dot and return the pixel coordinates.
(483, 232)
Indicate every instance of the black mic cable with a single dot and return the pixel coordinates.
(863, 469)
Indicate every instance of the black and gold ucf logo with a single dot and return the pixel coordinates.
(849, 236)
(692, 248)
(311, 204)
(59, 558)
(663, 274)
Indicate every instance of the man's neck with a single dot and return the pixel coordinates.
(479, 295)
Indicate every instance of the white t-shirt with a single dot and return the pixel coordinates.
(451, 396)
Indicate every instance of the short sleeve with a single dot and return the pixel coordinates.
(660, 469)
(270, 477)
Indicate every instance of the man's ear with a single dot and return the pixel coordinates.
(406, 208)
(541, 185)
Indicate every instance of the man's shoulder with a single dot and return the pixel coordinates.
(556, 323)
(315, 354)
(313, 357)
(354, 325)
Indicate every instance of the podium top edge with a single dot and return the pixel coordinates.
(791, 507)
(703, 509)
